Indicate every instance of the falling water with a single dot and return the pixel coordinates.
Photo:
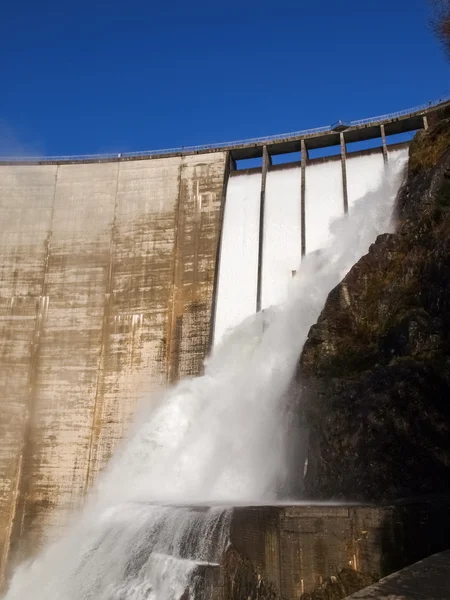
(210, 442)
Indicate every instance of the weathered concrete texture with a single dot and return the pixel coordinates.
(139, 289)
(26, 199)
(56, 448)
(293, 551)
(201, 185)
(104, 267)
(429, 578)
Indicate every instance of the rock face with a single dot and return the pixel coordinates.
(375, 371)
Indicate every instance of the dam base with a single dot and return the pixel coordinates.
(323, 550)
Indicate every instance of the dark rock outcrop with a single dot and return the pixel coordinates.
(375, 370)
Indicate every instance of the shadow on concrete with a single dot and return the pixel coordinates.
(412, 530)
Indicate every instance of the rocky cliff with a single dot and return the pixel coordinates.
(375, 370)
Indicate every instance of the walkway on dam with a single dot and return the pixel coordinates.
(428, 578)
(359, 130)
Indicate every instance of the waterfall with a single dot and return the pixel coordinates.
(159, 512)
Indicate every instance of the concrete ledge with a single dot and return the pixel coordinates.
(428, 578)
(296, 551)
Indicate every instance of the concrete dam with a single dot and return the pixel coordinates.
(118, 275)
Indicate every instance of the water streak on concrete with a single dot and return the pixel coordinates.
(106, 284)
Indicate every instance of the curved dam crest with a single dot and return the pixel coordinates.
(115, 278)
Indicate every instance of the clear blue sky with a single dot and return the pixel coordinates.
(100, 76)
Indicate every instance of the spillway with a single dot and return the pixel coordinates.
(324, 202)
(281, 253)
(281, 250)
(239, 253)
(364, 174)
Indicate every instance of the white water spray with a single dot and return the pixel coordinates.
(215, 440)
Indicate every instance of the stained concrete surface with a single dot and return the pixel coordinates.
(295, 549)
(23, 249)
(106, 280)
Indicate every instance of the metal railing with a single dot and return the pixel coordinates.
(402, 113)
(224, 145)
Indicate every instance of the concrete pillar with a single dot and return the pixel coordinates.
(344, 171)
(383, 140)
(303, 198)
(230, 165)
(425, 122)
(265, 167)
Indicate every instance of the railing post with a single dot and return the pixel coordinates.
(344, 171)
(265, 167)
(303, 198)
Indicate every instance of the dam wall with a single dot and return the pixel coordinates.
(118, 273)
(106, 278)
